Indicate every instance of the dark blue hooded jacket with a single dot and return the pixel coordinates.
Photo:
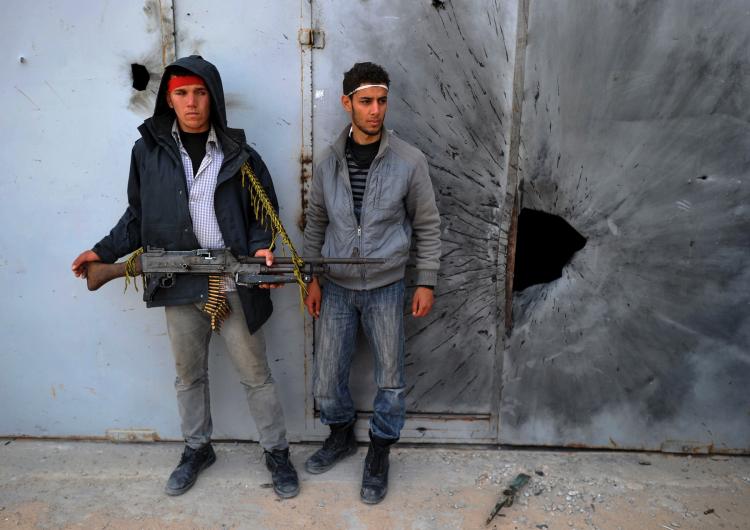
(158, 214)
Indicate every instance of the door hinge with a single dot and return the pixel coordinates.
(314, 38)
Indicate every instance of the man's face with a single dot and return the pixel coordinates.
(192, 104)
(367, 108)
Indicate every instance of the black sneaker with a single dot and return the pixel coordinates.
(339, 444)
(375, 474)
(192, 462)
(283, 474)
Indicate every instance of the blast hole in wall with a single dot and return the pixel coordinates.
(140, 76)
(545, 244)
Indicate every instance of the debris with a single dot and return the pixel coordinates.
(266, 485)
(481, 479)
(667, 527)
(709, 511)
(540, 473)
(542, 526)
(644, 462)
(509, 495)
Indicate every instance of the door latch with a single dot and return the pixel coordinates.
(314, 38)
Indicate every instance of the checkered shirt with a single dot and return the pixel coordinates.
(201, 186)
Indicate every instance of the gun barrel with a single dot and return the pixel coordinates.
(344, 261)
(279, 260)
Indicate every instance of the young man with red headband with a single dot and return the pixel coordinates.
(185, 192)
(370, 193)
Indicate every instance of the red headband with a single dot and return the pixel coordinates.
(176, 81)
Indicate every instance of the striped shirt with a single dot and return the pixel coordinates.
(358, 160)
(201, 186)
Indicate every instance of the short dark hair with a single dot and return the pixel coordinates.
(365, 73)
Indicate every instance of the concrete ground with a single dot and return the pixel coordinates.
(53, 484)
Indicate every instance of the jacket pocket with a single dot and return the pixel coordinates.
(391, 185)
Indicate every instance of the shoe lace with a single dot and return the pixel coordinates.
(188, 455)
(281, 463)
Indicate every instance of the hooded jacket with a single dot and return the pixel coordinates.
(158, 214)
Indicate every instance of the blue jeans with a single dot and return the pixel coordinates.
(381, 313)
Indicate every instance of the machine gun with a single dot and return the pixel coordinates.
(161, 267)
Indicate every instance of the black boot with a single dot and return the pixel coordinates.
(375, 475)
(283, 474)
(192, 462)
(339, 444)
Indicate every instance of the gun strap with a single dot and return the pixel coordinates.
(266, 214)
(131, 270)
(217, 305)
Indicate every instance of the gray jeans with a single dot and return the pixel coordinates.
(189, 334)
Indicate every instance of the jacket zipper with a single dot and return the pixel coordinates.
(361, 267)
(368, 191)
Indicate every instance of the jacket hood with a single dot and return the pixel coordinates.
(200, 67)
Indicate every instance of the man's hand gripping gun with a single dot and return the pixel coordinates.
(162, 267)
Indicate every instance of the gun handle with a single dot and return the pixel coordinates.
(98, 273)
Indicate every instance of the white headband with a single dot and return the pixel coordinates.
(362, 87)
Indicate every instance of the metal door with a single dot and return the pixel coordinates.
(635, 131)
(452, 83)
(99, 364)
(75, 363)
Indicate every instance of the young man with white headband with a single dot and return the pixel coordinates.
(370, 193)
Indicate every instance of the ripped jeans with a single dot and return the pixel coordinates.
(380, 311)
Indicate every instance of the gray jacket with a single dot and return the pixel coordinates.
(399, 201)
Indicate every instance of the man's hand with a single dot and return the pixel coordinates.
(312, 300)
(268, 254)
(422, 302)
(80, 264)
